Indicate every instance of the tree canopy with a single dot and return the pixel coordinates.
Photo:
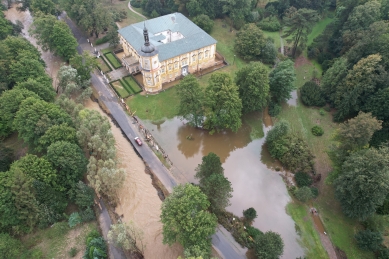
(186, 220)
(281, 81)
(269, 245)
(249, 41)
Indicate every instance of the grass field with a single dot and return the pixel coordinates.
(275, 36)
(304, 225)
(103, 66)
(56, 241)
(132, 84)
(155, 107)
(119, 89)
(113, 60)
(123, 5)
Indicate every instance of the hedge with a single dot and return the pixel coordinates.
(102, 40)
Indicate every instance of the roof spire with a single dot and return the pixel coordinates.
(146, 35)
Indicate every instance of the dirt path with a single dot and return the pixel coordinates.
(139, 201)
(132, 10)
(53, 63)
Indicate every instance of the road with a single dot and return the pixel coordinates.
(222, 241)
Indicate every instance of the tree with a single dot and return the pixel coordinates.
(105, 177)
(218, 190)
(41, 86)
(56, 133)
(84, 64)
(204, 22)
(6, 157)
(303, 194)
(333, 78)
(299, 25)
(237, 11)
(249, 41)
(5, 27)
(223, 105)
(44, 6)
(127, 236)
(269, 52)
(191, 101)
(69, 161)
(25, 68)
(84, 195)
(35, 117)
(113, 36)
(250, 214)
(210, 165)
(37, 168)
(356, 133)
(9, 105)
(369, 240)
(281, 81)
(11, 247)
(364, 182)
(311, 94)
(378, 104)
(186, 220)
(361, 82)
(54, 35)
(253, 83)
(269, 246)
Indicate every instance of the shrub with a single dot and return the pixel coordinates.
(327, 108)
(384, 208)
(317, 131)
(311, 94)
(302, 179)
(102, 40)
(303, 194)
(253, 232)
(74, 219)
(322, 112)
(270, 23)
(87, 215)
(369, 240)
(250, 214)
(96, 247)
(375, 223)
(72, 252)
(315, 192)
(135, 4)
(274, 109)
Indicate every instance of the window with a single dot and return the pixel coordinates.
(170, 67)
(200, 55)
(184, 62)
(156, 78)
(176, 64)
(162, 69)
(148, 80)
(206, 53)
(194, 58)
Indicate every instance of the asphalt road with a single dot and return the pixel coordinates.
(222, 241)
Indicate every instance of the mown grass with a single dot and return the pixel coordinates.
(113, 60)
(56, 241)
(310, 238)
(123, 5)
(275, 36)
(155, 107)
(119, 89)
(103, 66)
(132, 84)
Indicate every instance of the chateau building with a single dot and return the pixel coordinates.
(165, 48)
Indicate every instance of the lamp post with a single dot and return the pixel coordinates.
(233, 62)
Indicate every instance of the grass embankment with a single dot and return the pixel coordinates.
(56, 241)
(310, 238)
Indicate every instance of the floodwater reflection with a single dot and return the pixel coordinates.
(254, 184)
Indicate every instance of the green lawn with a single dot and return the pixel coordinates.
(304, 225)
(103, 66)
(119, 89)
(131, 17)
(132, 84)
(318, 29)
(155, 107)
(113, 60)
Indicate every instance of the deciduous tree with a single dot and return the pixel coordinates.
(253, 83)
(223, 105)
(186, 220)
(204, 22)
(364, 182)
(269, 246)
(191, 101)
(249, 41)
(369, 240)
(281, 81)
(55, 133)
(210, 165)
(218, 190)
(41, 86)
(333, 78)
(127, 236)
(84, 64)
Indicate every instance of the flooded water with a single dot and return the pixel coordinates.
(254, 184)
(293, 101)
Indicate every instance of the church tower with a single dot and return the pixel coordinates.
(149, 63)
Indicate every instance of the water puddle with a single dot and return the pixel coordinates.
(246, 165)
(293, 101)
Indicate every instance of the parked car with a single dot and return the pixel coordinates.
(138, 141)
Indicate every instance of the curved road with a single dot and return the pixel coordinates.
(222, 240)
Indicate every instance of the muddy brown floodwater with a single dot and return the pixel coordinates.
(254, 184)
(139, 201)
